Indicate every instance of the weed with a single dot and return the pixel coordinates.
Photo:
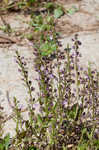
(66, 89)
(60, 123)
(1, 121)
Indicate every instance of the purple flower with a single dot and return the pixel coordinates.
(64, 102)
(79, 43)
(32, 88)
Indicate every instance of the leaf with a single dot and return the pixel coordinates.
(49, 5)
(72, 10)
(50, 19)
(84, 131)
(29, 36)
(72, 111)
(33, 148)
(39, 118)
(4, 143)
(58, 13)
(96, 143)
(7, 141)
(47, 48)
(32, 1)
(82, 146)
(1, 146)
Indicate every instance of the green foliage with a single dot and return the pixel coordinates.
(41, 24)
(32, 148)
(4, 143)
(58, 12)
(6, 28)
(1, 121)
(32, 1)
(48, 48)
(83, 146)
(29, 36)
(75, 112)
(72, 10)
(47, 45)
(50, 6)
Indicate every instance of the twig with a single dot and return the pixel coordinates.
(8, 38)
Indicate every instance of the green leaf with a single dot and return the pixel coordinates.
(72, 10)
(4, 143)
(96, 143)
(72, 111)
(39, 118)
(58, 13)
(32, 1)
(82, 146)
(47, 48)
(33, 148)
(50, 19)
(49, 5)
(84, 131)
(7, 141)
(1, 146)
(29, 36)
